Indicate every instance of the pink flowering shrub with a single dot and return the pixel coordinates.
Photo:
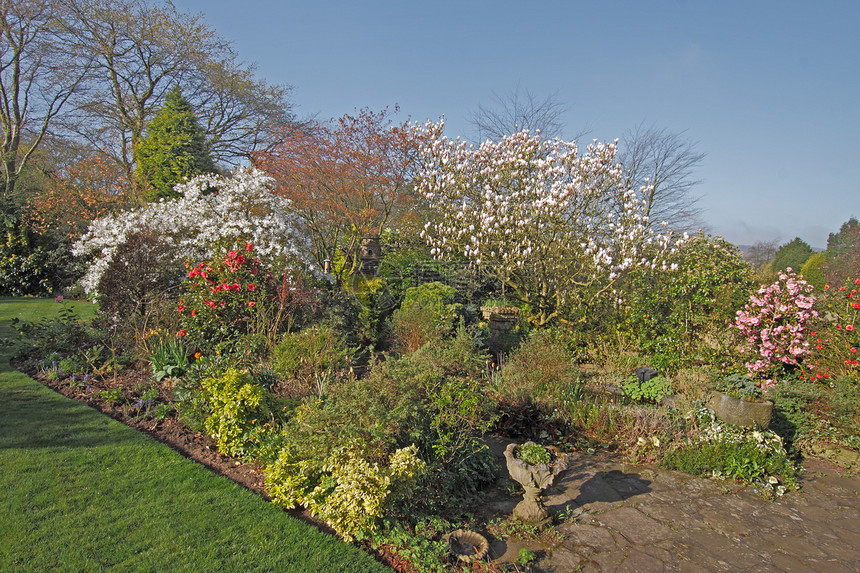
(774, 324)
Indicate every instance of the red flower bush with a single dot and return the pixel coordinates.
(836, 338)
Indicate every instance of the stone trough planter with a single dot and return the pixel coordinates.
(739, 412)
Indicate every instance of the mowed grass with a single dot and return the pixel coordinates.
(82, 492)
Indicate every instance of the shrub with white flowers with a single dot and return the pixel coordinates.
(211, 209)
(558, 228)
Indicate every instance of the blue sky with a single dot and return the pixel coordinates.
(769, 89)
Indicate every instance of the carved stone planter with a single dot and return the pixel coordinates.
(468, 546)
(534, 480)
(741, 412)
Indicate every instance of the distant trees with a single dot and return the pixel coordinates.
(174, 148)
(843, 254)
(38, 76)
(761, 253)
(792, 254)
(139, 54)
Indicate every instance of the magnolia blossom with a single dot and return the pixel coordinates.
(240, 207)
(536, 212)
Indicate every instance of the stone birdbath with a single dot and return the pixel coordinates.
(534, 479)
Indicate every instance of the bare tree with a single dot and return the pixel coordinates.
(761, 252)
(658, 159)
(37, 78)
(666, 162)
(141, 52)
(516, 111)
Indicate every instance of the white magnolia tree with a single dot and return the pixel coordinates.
(211, 209)
(555, 226)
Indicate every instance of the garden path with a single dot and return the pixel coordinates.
(642, 518)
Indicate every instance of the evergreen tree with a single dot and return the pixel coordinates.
(792, 254)
(174, 148)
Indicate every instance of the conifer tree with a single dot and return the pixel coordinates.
(173, 148)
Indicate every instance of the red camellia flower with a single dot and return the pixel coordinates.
(854, 350)
(826, 287)
(236, 287)
(857, 305)
(180, 308)
(181, 333)
(193, 312)
(857, 282)
(841, 289)
(251, 286)
(849, 328)
(252, 303)
(250, 246)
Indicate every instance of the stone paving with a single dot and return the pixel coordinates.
(623, 517)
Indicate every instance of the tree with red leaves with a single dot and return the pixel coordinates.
(348, 179)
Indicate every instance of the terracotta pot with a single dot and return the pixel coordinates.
(741, 412)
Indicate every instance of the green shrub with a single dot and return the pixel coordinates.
(541, 362)
(812, 271)
(236, 404)
(675, 314)
(426, 314)
(350, 493)
(25, 271)
(312, 360)
(651, 391)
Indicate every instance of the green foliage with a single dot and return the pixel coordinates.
(812, 271)
(349, 492)
(533, 454)
(743, 461)
(651, 391)
(236, 404)
(675, 314)
(169, 359)
(25, 271)
(174, 148)
(752, 456)
(312, 359)
(843, 253)
(377, 306)
(141, 273)
(74, 478)
(739, 386)
(541, 362)
(807, 413)
(792, 254)
(426, 314)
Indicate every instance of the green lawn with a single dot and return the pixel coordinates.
(82, 492)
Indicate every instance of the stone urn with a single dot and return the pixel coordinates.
(534, 480)
(747, 413)
(468, 546)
